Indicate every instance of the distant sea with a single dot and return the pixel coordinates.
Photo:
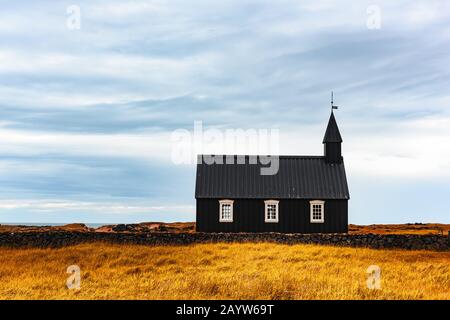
(35, 224)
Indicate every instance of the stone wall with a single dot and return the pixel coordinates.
(65, 238)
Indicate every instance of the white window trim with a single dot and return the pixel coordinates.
(266, 204)
(221, 202)
(322, 204)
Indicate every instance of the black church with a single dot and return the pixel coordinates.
(308, 194)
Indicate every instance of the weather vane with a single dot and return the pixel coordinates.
(332, 105)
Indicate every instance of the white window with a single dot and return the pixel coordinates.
(317, 211)
(226, 210)
(271, 211)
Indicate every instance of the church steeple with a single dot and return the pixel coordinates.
(332, 141)
(332, 133)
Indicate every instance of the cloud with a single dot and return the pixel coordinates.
(87, 115)
(49, 205)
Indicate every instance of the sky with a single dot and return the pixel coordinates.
(91, 93)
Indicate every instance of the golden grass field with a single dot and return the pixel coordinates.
(222, 271)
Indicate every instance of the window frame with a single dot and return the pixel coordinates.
(277, 211)
(322, 211)
(225, 202)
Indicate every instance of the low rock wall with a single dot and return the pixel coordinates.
(65, 238)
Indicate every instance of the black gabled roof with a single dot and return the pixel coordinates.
(332, 133)
(298, 177)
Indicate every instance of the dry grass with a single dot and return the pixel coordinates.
(222, 271)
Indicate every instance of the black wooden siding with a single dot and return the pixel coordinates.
(332, 152)
(293, 217)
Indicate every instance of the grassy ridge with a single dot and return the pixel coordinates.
(222, 271)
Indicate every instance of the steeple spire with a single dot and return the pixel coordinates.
(332, 140)
(332, 133)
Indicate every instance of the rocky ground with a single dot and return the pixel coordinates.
(408, 228)
(189, 227)
(407, 236)
(176, 227)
